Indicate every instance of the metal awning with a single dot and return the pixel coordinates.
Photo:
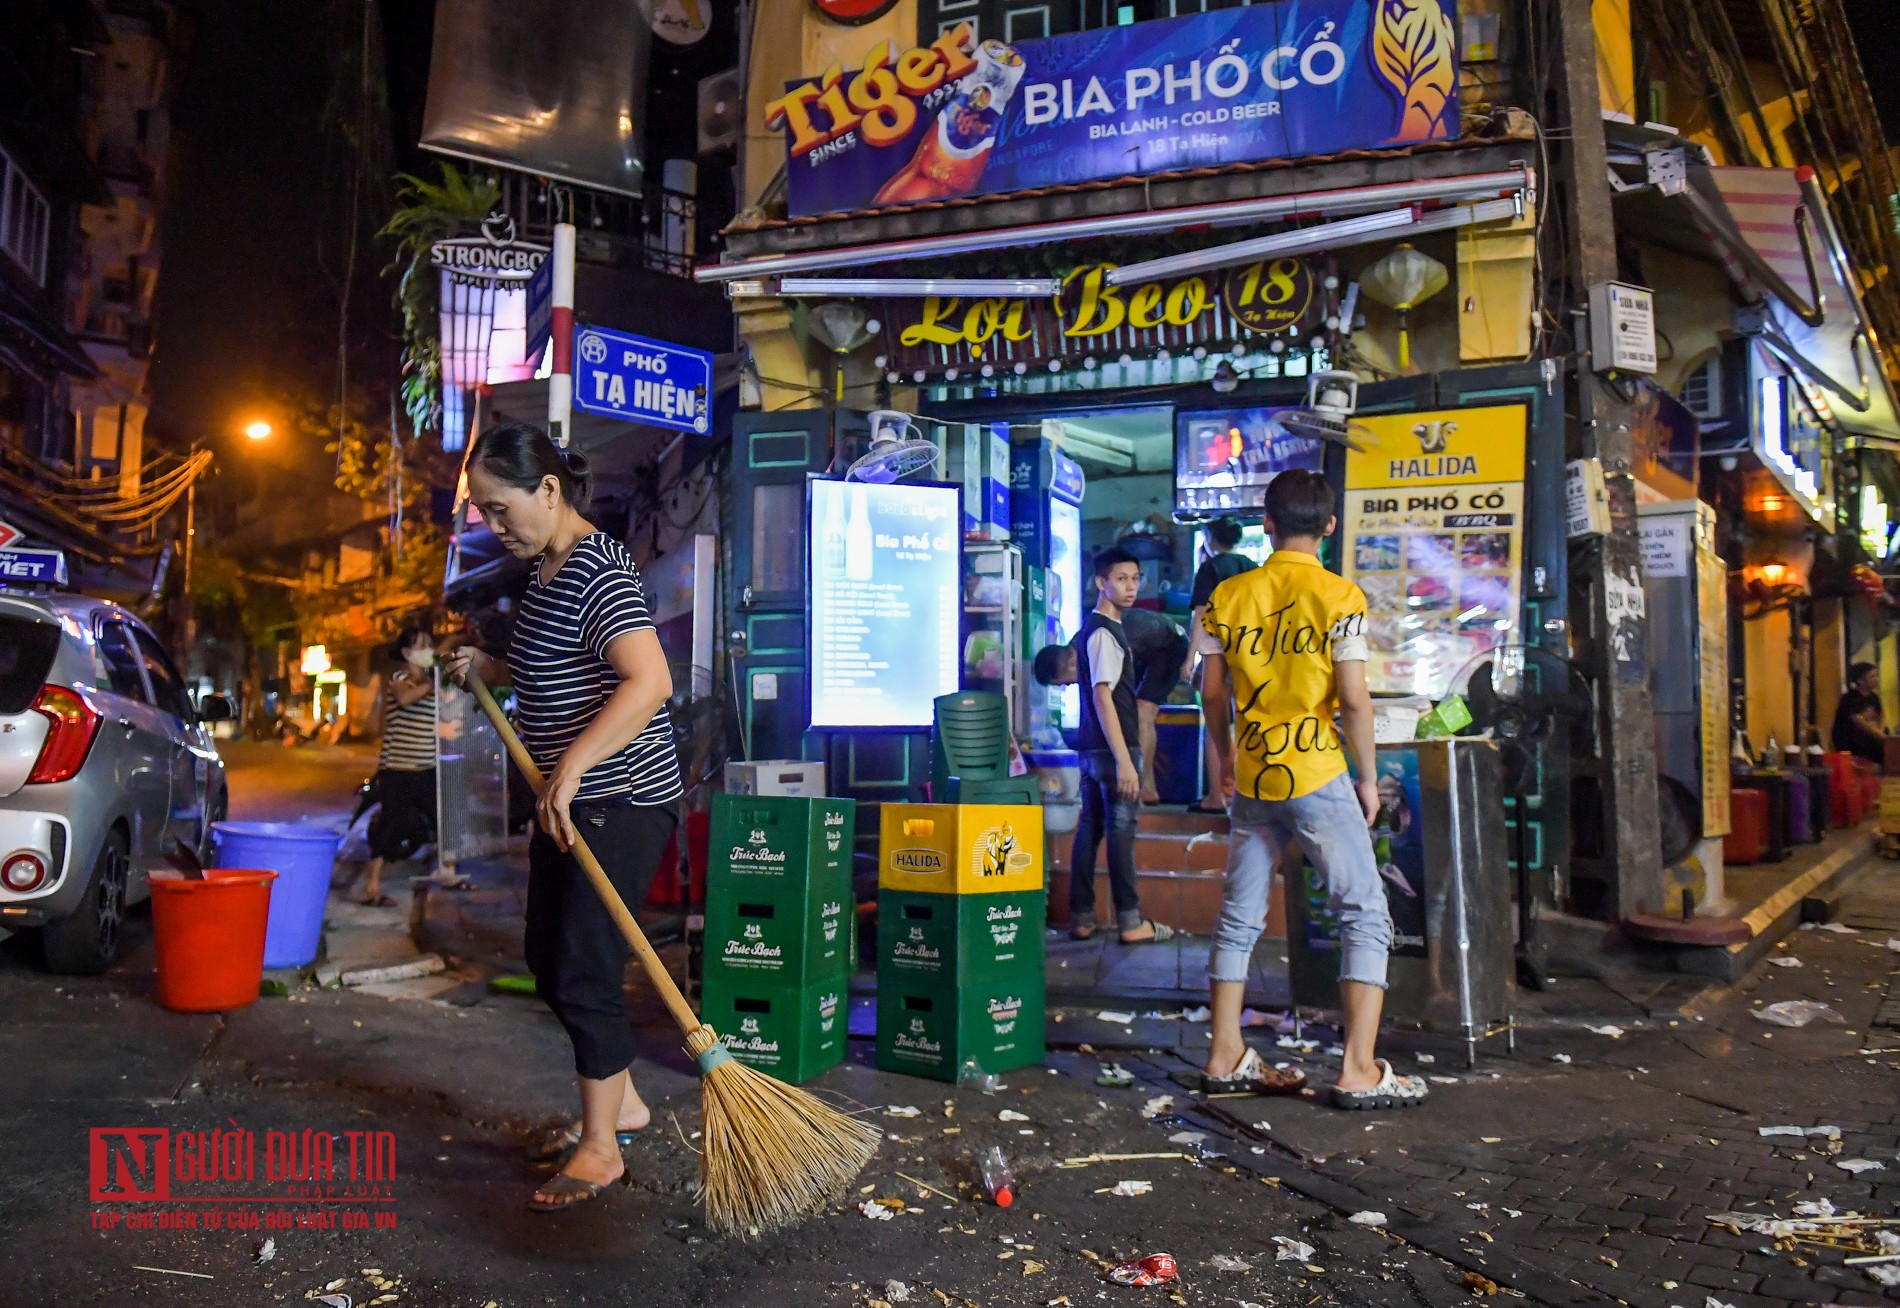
(1772, 230)
(1090, 222)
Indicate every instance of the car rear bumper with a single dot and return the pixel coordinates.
(50, 836)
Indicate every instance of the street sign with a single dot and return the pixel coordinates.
(620, 375)
(9, 534)
(40, 567)
(540, 308)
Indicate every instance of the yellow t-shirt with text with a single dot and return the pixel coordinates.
(1282, 627)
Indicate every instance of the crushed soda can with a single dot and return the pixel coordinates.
(1155, 1269)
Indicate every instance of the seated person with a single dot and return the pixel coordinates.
(1858, 726)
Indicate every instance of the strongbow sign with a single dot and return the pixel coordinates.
(966, 117)
(493, 256)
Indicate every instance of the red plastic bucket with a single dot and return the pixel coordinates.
(210, 938)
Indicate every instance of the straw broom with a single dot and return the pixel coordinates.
(772, 1153)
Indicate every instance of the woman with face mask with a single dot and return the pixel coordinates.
(591, 684)
(405, 771)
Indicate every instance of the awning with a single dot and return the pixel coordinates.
(1450, 190)
(1771, 228)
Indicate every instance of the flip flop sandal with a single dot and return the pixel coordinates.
(558, 1145)
(1082, 933)
(1252, 1076)
(1162, 932)
(566, 1191)
(1393, 1091)
(380, 901)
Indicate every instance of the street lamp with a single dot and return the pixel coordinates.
(257, 430)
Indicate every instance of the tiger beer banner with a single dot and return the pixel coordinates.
(963, 117)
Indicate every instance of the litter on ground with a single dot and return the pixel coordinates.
(1367, 1218)
(1159, 1106)
(1291, 1250)
(1785, 960)
(876, 1211)
(902, 1110)
(1011, 1115)
(1109, 1015)
(1130, 1189)
(1797, 1012)
(1611, 1030)
(1859, 1165)
(1229, 1263)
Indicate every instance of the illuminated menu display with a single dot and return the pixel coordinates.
(886, 568)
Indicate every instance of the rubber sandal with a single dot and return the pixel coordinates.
(1205, 811)
(380, 901)
(559, 1144)
(1393, 1091)
(565, 1192)
(1252, 1076)
(1162, 932)
(1082, 932)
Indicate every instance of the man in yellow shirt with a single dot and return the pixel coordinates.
(1285, 652)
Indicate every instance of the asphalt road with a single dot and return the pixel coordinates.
(272, 783)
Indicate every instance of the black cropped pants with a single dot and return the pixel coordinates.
(577, 954)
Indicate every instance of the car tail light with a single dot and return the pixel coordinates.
(23, 872)
(73, 726)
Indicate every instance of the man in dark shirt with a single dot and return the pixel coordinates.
(1107, 739)
(1159, 649)
(1222, 562)
(1858, 726)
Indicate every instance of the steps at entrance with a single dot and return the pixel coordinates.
(1180, 862)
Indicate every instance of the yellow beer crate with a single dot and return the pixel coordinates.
(960, 849)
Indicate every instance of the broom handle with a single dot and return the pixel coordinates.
(616, 907)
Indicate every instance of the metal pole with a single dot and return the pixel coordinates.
(561, 335)
(191, 533)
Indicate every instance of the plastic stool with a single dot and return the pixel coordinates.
(1747, 840)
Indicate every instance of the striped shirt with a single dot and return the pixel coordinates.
(558, 659)
(408, 733)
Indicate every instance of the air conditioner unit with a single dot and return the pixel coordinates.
(721, 111)
(1701, 392)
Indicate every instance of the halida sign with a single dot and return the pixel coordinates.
(960, 117)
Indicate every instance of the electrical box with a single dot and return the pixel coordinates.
(1586, 500)
(1622, 328)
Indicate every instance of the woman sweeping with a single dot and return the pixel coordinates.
(405, 769)
(590, 684)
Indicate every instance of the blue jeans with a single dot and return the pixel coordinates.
(1103, 808)
(1331, 829)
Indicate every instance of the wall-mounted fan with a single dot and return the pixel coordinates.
(1331, 398)
(896, 450)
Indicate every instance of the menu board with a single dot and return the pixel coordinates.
(1434, 535)
(885, 563)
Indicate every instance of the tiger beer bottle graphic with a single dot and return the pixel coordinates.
(951, 157)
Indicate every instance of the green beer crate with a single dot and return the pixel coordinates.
(779, 844)
(778, 890)
(792, 1034)
(948, 940)
(929, 1029)
(780, 940)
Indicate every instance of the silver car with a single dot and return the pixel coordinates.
(105, 768)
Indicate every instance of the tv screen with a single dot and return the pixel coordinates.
(886, 565)
(1224, 458)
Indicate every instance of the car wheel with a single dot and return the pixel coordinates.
(85, 942)
(216, 810)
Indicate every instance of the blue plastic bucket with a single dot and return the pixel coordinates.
(301, 856)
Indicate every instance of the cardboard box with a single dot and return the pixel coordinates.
(928, 1030)
(960, 849)
(944, 941)
(790, 1034)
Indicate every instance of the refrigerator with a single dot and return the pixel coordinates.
(1045, 498)
(991, 638)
